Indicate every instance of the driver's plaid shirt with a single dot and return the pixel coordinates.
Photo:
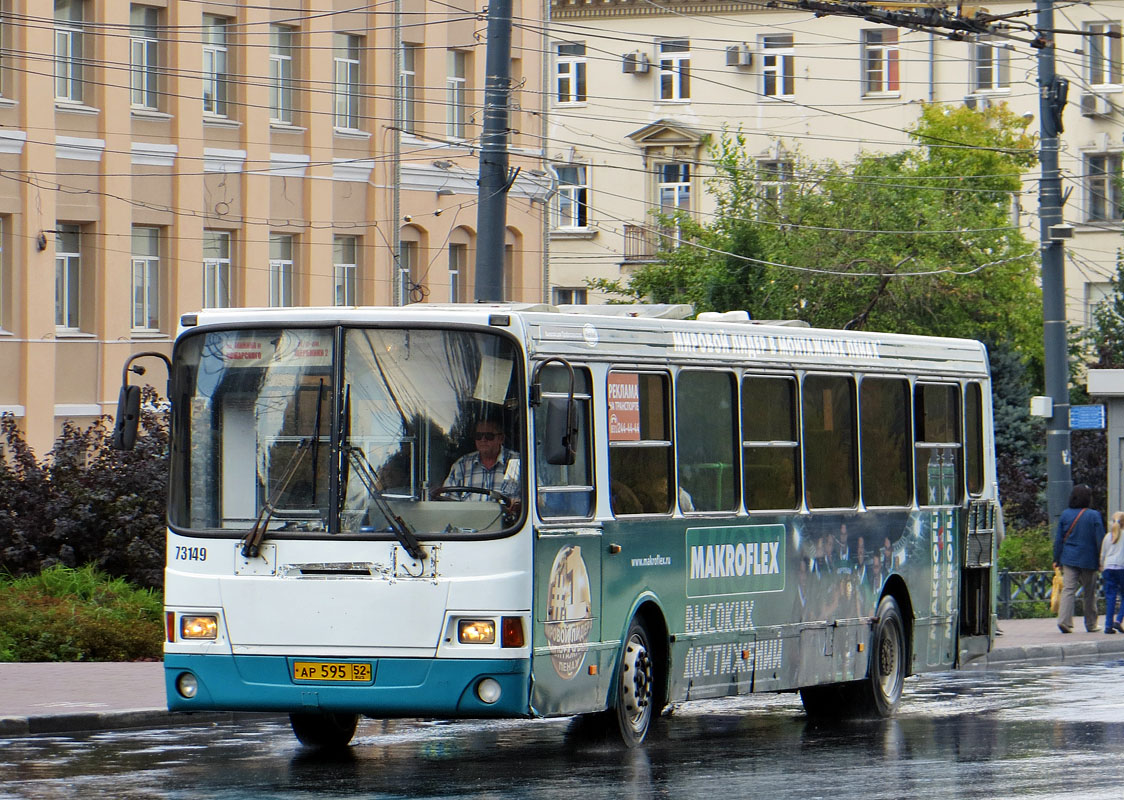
(468, 471)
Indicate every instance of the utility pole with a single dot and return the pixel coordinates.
(1052, 91)
(491, 214)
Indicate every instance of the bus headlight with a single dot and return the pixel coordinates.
(488, 690)
(187, 685)
(476, 631)
(199, 627)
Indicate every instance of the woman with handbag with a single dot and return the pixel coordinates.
(1077, 548)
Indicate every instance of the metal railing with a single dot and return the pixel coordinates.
(1021, 594)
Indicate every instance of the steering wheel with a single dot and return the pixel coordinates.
(510, 504)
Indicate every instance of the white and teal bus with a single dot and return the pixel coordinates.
(688, 509)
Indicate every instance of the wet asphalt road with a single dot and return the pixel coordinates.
(1033, 732)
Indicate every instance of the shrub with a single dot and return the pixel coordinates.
(65, 614)
(86, 503)
(1028, 549)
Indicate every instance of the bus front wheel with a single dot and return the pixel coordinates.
(325, 731)
(635, 683)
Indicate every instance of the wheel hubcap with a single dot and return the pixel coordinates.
(888, 659)
(636, 682)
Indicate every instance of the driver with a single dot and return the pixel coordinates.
(492, 466)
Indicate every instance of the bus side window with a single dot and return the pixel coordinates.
(938, 451)
(640, 456)
(705, 431)
(770, 447)
(565, 490)
(884, 426)
(973, 438)
(830, 463)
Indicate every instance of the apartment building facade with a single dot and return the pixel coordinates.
(168, 155)
(639, 92)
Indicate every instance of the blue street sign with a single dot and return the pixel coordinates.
(1086, 418)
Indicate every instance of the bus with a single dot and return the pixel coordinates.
(674, 509)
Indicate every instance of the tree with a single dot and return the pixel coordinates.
(919, 241)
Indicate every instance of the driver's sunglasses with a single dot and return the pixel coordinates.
(487, 436)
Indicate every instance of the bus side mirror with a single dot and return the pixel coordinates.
(560, 442)
(128, 418)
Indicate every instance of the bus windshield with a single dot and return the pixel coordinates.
(352, 431)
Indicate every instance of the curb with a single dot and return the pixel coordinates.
(119, 720)
(1037, 655)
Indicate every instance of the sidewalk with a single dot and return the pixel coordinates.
(73, 697)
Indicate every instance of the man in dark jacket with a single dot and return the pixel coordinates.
(1077, 547)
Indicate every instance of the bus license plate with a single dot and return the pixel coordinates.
(331, 671)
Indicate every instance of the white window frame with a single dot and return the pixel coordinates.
(282, 270)
(1103, 62)
(216, 269)
(991, 66)
(456, 94)
(146, 278)
(773, 179)
(1103, 187)
(571, 201)
(408, 113)
(570, 73)
(674, 84)
(345, 259)
(68, 277)
(569, 296)
(282, 43)
(69, 31)
(880, 62)
(778, 65)
(144, 57)
(458, 269)
(673, 195)
(216, 66)
(347, 66)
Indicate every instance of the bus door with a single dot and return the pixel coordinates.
(568, 674)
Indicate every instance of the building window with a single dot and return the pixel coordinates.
(216, 66)
(778, 67)
(144, 58)
(346, 60)
(146, 279)
(773, 180)
(408, 268)
(408, 114)
(675, 69)
(673, 187)
(1102, 43)
(281, 270)
(69, 41)
(571, 202)
(346, 261)
(880, 61)
(990, 66)
(570, 73)
(458, 264)
(68, 274)
(281, 74)
(565, 296)
(1102, 174)
(456, 100)
(216, 269)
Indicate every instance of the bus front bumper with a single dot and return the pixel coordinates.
(398, 687)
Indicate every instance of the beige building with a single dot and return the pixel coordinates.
(639, 91)
(162, 156)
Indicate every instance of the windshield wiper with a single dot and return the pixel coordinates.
(251, 542)
(358, 459)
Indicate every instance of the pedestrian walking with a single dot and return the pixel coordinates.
(1112, 567)
(1077, 546)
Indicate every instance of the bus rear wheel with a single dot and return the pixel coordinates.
(881, 692)
(635, 684)
(325, 731)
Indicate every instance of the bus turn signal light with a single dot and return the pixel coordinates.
(512, 634)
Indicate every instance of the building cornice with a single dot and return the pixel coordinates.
(583, 9)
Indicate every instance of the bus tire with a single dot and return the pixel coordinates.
(634, 689)
(881, 692)
(324, 731)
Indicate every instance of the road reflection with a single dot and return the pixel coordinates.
(1043, 732)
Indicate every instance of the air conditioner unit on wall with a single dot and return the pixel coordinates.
(1095, 105)
(635, 63)
(739, 55)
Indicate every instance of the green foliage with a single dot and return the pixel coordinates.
(86, 503)
(65, 614)
(852, 237)
(1026, 549)
(1106, 336)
